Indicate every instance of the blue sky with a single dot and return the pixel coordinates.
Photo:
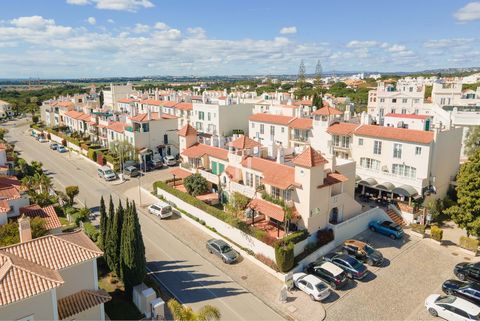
(97, 38)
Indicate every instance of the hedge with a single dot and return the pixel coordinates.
(284, 256)
(419, 228)
(468, 243)
(436, 233)
(325, 236)
(91, 231)
(296, 237)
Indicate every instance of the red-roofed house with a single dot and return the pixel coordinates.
(13, 196)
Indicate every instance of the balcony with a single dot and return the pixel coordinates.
(212, 178)
(242, 189)
(302, 139)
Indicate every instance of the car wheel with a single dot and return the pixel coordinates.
(312, 297)
(372, 229)
(433, 312)
(210, 251)
(370, 262)
(461, 276)
(224, 261)
(333, 285)
(349, 275)
(449, 291)
(392, 236)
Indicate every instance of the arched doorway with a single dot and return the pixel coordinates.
(333, 219)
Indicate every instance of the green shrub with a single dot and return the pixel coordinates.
(296, 237)
(91, 231)
(284, 256)
(469, 243)
(419, 228)
(436, 233)
(92, 154)
(196, 184)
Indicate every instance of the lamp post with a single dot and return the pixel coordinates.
(174, 180)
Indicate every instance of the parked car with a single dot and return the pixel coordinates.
(328, 272)
(353, 268)
(221, 249)
(316, 289)
(53, 146)
(467, 271)
(363, 252)
(42, 140)
(390, 229)
(61, 149)
(154, 164)
(106, 173)
(161, 209)
(451, 308)
(131, 171)
(129, 163)
(170, 160)
(465, 290)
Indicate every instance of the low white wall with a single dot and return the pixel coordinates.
(74, 147)
(344, 231)
(56, 139)
(237, 236)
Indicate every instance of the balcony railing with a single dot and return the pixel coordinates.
(242, 189)
(300, 138)
(209, 176)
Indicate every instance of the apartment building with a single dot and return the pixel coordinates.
(404, 163)
(450, 93)
(114, 93)
(52, 112)
(406, 97)
(182, 110)
(319, 192)
(6, 109)
(53, 277)
(410, 121)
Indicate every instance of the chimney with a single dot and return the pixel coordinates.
(24, 229)
(156, 94)
(280, 154)
(149, 114)
(346, 115)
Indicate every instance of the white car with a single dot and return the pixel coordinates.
(169, 160)
(161, 209)
(316, 289)
(451, 308)
(42, 140)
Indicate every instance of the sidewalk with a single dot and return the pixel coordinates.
(263, 285)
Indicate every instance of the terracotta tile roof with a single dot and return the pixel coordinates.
(267, 209)
(10, 188)
(198, 150)
(344, 129)
(301, 123)
(168, 103)
(118, 127)
(408, 116)
(4, 206)
(273, 119)
(327, 111)
(244, 142)
(81, 301)
(333, 178)
(275, 174)
(143, 118)
(305, 102)
(77, 115)
(184, 106)
(21, 279)
(127, 100)
(180, 173)
(47, 213)
(152, 102)
(187, 130)
(309, 158)
(233, 173)
(56, 251)
(3, 146)
(398, 134)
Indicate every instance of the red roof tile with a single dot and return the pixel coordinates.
(180, 173)
(309, 158)
(118, 127)
(344, 129)
(327, 111)
(304, 102)
(275, 174)
(81, 301)
(267, 209)
(244, 142)
(143, 118)
(333, 178)
(184, 106)
(127, 100)
(187, 130)
(301, 123)
(47, 213)
(399, 134)
(273, 119)
(198, 150)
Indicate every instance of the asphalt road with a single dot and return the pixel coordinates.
(192, 279)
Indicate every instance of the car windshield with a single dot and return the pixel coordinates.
(108, 172)
(321, 286)
(475, 317)
(446, 299)
(370, 250)
(155, 208)
(225, 248)
(353, 263)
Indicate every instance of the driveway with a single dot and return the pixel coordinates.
(414, 269)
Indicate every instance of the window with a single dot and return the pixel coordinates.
(382, 112)
(397, 150)
(404, 170)
(253, 125)
(275, 192)
(249, 179)
(416, 100)
(283, 129)
(377, 147)
(416, 112)
(360, 142)
(272, 130)
(382, 100)
(369, 163)
(345, 141)
(201, 115)
(209, 116)
(404, 111)
(394, 100)
(410, 89)
(262, 129)
(393, 110)
(442, 101)
(336, 140)
(287, 194)
(418, 150)
(404, 100)
(258, 181)
(165, 139)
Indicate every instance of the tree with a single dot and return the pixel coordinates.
(196, 184)
(71, 192)
(103, 223)
(37, 225)
(317, 101)
(181, 312)
(318, 75)
(112, 250)
(467, 211)
(472, 141)
(9, 234)
(301, 75)
(3, 131)
(132, 257)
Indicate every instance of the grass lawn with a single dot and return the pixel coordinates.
(120, 307)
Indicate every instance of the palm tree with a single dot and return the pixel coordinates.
(181, 312)
(42, 182)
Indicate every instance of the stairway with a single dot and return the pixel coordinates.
(395, 217)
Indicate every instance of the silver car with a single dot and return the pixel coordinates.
(221, 249)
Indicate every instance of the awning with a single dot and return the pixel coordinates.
(180, 173)
(368, 182)
(386, 186)
(267, 209)
(405, 190)
(357, 178)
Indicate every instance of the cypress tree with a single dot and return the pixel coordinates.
(133, 263)
(103, 223)
(113, 243)
(107, 251)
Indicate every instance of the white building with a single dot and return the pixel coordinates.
(115, 93)
(6, 109)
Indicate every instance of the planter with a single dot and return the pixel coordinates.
(472, 253)
(420, 235)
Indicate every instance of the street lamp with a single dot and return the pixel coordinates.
(174, 180)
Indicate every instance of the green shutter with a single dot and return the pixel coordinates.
(214, 168)
(221, 168)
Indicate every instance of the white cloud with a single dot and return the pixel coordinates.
(288, 30)
(32, 22)
(119, 5)
(397, 48)
(361, 44)
(161, 26)
(92, 20)
(111, 21)
(469, 12)
(197, 32)
(444, 43)
(141, 28)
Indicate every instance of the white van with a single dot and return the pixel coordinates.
(161, 209)
(106, 173)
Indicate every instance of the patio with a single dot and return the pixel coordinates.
(270, 228)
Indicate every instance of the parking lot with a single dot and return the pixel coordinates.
(414, 268)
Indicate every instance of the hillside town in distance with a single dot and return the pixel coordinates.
(310, 195)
